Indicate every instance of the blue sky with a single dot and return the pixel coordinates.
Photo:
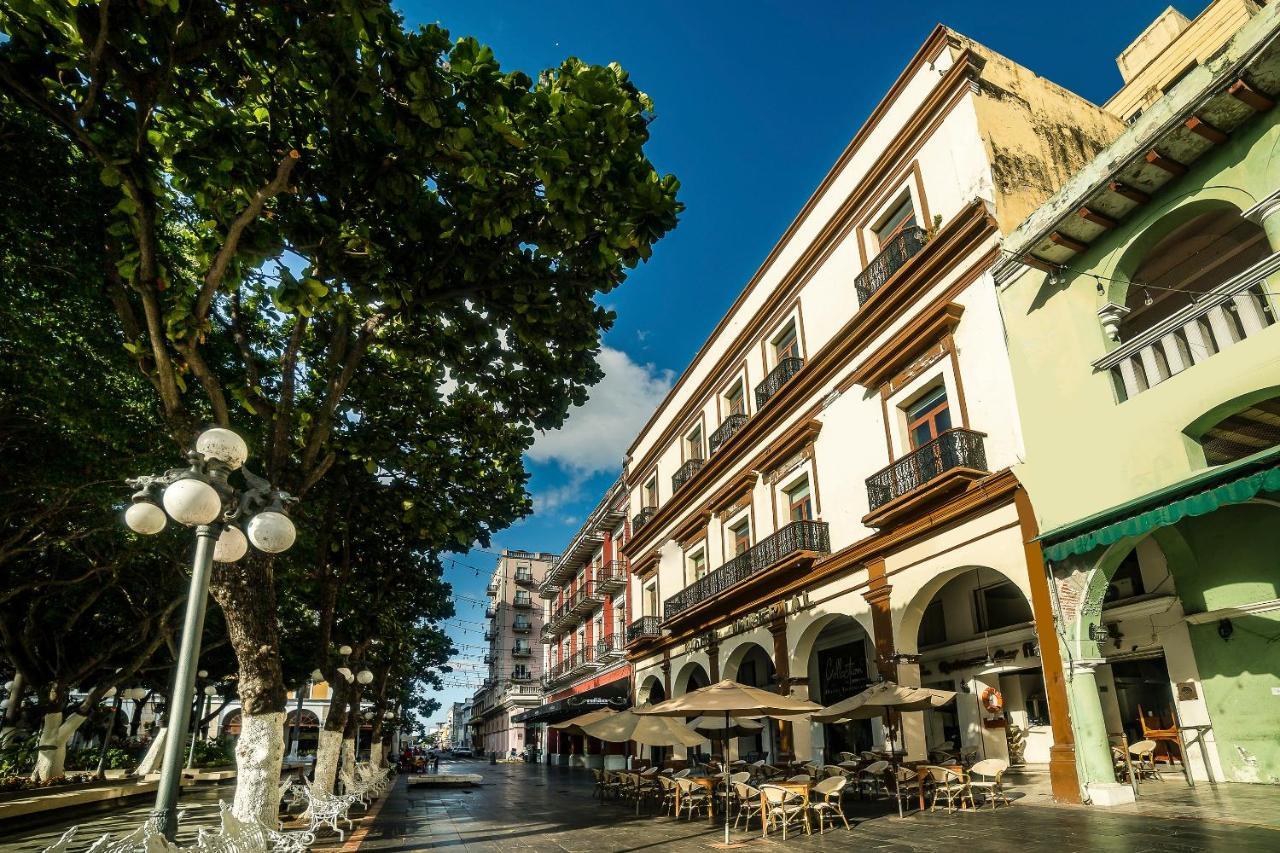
(754, 101)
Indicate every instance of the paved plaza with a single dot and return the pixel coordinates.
(540, 809)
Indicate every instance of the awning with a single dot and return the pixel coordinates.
(1198, 495)
(615, 695)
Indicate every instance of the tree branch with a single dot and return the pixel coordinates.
(323, 424)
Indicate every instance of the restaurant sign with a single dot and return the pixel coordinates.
(751, 621)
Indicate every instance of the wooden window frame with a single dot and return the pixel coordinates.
(930, 417)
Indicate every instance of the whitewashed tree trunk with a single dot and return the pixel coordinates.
(52, 755)
(327, 753)
(348, 763)
(377, 755)
(259, 758)
(155, 754)
(13, 710)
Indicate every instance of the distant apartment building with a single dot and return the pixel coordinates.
(514, 623)
(585, 619)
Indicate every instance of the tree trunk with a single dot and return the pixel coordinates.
(246, 593)
(348, 763)
(52, 754)
(259, 757)
(13, 710)
(155, 753)
(135, 719)
(330, 745)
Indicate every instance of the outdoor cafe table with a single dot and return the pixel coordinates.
(705, 782)
(801, 788)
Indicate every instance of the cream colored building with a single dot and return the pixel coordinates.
(824, 498)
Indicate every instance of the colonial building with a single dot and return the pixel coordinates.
(585, 618)
(515, 622)
(824, 498)
(1140, 304)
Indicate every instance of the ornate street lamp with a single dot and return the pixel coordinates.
(228, 519)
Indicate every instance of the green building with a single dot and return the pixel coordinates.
(1140, 310)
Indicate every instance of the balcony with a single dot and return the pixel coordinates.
(1220, 318)
(685, 473)
(951, 460)
(488, 636)
(611, 577)
(522, 676)
(488, 658)
(581, 663)
(901, 249)
(490, 612)
(643, 517)
(727, 430)
(491, 590)
(609, 649)
(644, 628)
(524, 602)
(778, 377)
(522, 626)
(521, 651)
(798, 538)
(548, 632)
(524, 576)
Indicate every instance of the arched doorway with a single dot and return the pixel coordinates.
(691, 676)
(837, 657)
(308, 732)
(973, 632)
(750, 664)
(230, 726)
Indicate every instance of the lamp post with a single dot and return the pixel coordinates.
(202, 496)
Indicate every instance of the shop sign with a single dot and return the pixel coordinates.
(751, 621)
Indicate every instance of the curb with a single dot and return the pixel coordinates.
(356, 840)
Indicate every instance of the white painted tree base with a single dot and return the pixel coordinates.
(327, 753)
(155, 754)
(51, 757)
(348, 770)
(259, 758)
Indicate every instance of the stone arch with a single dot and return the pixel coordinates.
(906, 631)
(802, 647)
(730, 667)
(649, 688)
(1238, 409)
(691, 670)
(229, 725)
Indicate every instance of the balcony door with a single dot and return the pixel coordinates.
(928, 417)
(900, 218)
(740, 537)
(786, 345)
(736, 399)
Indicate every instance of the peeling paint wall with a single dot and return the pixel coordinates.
(1036, 133)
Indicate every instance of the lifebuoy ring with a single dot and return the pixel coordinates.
(992, 700)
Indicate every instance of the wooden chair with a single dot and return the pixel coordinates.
(748, 799)
(785, 807)
(828, 806)
(989, 772)
(950, 787)
(693, 797)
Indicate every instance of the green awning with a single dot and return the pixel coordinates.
(1166, 507)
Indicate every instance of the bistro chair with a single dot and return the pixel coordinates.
(824, 802)
(906, 786)
(601, 785)
(831, 770)
(785, 807)
(871, 778)
(667, 790)
(989, 772)
(847, 756)
(682, 774)
(1144, 760)
(803, 778)
(950, 787)
(693, 797)
(748, 799)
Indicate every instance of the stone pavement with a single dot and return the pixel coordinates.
(541, 809)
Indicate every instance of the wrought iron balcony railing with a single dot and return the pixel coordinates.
(522, 626)
(490, 612)
(519, 675)
(643, 517)
(521, 651)
(778, 377)
(609, 647)
(491, 590)
(523, 601)
(901, 249)
(685, 473)
(795, 537)
(644, 628)
(727, 430)
(524, 576)
(611, 577)
(488, 636)
(955, 448)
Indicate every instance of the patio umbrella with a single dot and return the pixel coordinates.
(730, 699)
(714, 727)
(650, 731)
(574, 726)
(881, 698)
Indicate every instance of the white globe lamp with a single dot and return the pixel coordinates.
(224, 446)
(210, 690)
(364, 676)
(344, 650)
(271, 532)
(145, 517)
(231, 545)
(346, 674)
(317, 675)
(204, 673)
(191, 502)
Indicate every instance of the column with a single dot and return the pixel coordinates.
(878, 595)
(782, 666)
(1093, 749)
(1063, 779)
(908, 675)
(713, 661)
(802, 733)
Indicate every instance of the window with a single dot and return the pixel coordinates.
(651, 599)
(800, 501)
(899, 218)
(1243, 434)
(786, 344)
(697, 566)
(740, 537)
(651, 493)
(620, 615)
(735, 399)
(693, 443)
(999, 606)
(928, 417)
(933, 625)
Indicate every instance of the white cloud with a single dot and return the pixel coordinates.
(595, 436)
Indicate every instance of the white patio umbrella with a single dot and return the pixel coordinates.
(718, 729)
(730, 699)
(648, 730)
(881, 698)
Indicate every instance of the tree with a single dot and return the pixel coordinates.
(345, 190)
